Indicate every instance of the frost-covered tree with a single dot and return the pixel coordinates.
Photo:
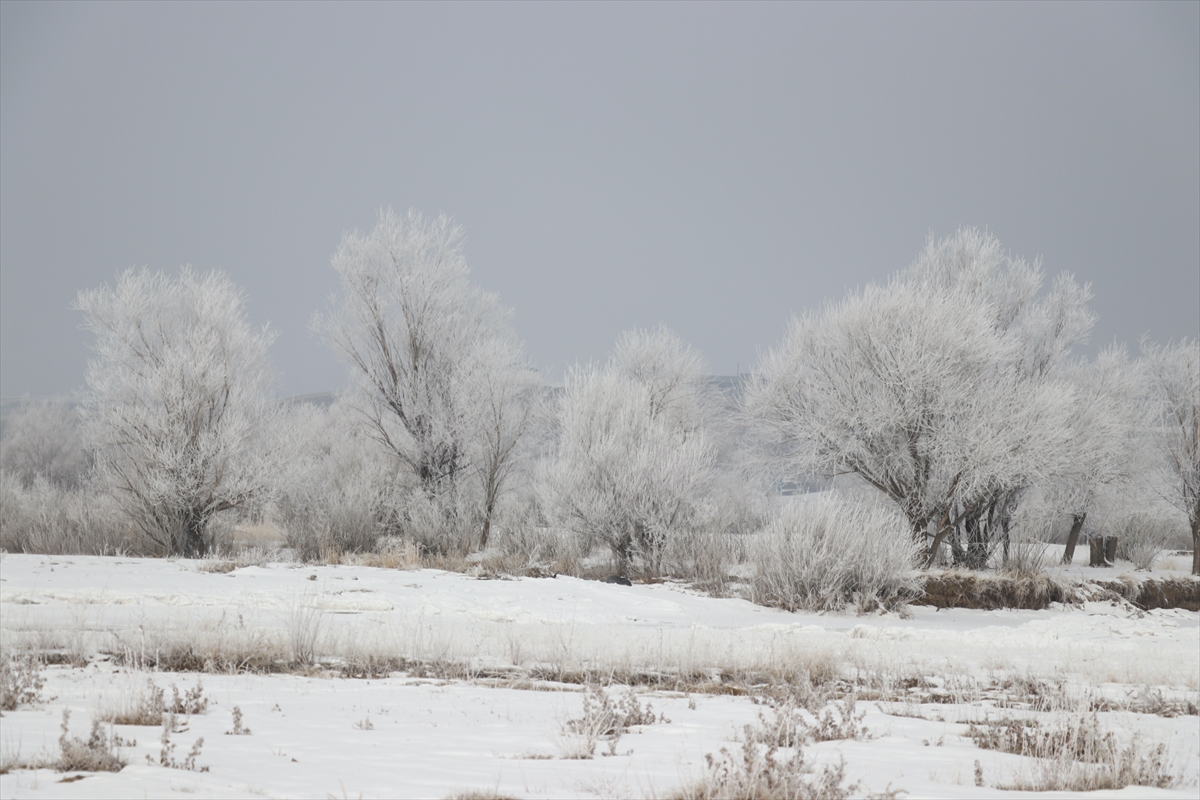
(177, 399)
(634, 461)
(441, 382)
(923, 388)
(43, 438)
(1103, 447)
(1041, 329)
(1173, 373)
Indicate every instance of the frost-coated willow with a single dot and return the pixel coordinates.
(939, 388)
(440, 380)
(177, 401)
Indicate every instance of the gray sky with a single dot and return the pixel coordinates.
(713, 167)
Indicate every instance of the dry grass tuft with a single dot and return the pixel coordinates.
(147, 704)
(765, 773)
(166, 754)
(799, 720)
(97, 753)
(603, 719)
(1075, 754)
(20, 681)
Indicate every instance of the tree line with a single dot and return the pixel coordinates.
(950, 398)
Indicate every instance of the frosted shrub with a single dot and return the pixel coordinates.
(1141, 537)
(635, 460)
(334, 490)
(1027, 552)
(46, 518)
(334, 518)
(825, 554)
(43, 438)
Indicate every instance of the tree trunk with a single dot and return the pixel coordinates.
(1195, 549)
(977, 542)
(487, 529)
(1196, 538)
(1096, 546)
(935, 545)
(194, 545)
(487, 524)
(1073, 537)
(622, 548)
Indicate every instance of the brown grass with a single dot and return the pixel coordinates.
(989, 591)
(1074, 753)
(960, 589)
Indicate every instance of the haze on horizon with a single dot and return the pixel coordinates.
(715, 167)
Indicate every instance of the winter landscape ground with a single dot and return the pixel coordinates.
(365, 681)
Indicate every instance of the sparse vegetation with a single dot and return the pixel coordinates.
(166, 754)
(238, 729)
(20, 681)
(98, 753)
(792, 723)
(765, 772)
(147, 704)
(1074, 752)
(603, 719)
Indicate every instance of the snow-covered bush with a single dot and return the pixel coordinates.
(47, 518)
(441, 385)
(334, 494)
(177, 403)
(827, 553)
(1141, 537)
(43, 438)
(634, 461)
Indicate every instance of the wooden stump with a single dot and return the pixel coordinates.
(1110, 550)
(1097, 552)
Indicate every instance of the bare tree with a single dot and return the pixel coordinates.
(1173, 371)
(177, 397)
(43, 438)
(919, 389)
(441, 382)
(635, 460)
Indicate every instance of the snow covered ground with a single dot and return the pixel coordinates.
(492, 711)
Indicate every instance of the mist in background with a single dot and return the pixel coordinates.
(712, 167)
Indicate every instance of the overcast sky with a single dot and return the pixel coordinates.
(713, 167)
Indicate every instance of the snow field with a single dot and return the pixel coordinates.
(502, 725)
